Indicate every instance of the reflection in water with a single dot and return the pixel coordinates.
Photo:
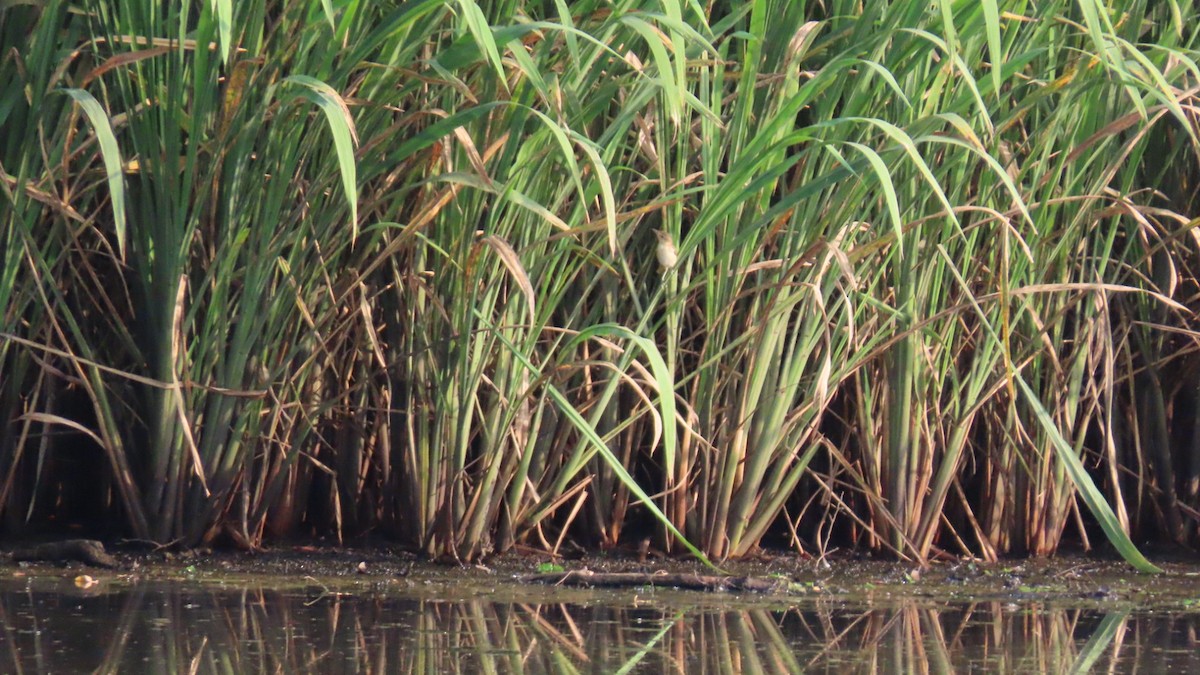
(160, 627)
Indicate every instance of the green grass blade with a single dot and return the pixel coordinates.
(590, 434)
(1088, 491)
(341, 126)
(477, 25)
(1100, 641)
(663, 380)
(224, 11)
(111, 155)
(991, 15)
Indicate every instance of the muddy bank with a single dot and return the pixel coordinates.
(378, 568)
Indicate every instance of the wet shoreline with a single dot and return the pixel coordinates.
(1076, 579)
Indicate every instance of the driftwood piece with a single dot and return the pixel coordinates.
(696, 582)
(82, 550)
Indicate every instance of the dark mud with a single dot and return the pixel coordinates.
(1074, 580)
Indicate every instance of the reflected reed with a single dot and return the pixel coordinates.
(177, 628)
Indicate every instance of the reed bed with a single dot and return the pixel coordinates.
(330, 268)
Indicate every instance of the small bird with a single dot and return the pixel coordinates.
(665, 252)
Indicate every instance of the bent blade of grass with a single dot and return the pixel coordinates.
(1160, 89)
(888, 78)
(690, 35)
(537, 209)
(1083, 482)
(562, 137)
(636, 660)
(664, 64)
(663, 381)
(606, 189)
(512, 262)
(341, 126)
(889, 191)
(1100, 30)
(47, 418)
(995, 166)
(564, 17)
(910, 148)
(1100, 641)
(666, 405)
(963, 74)
(530, 69)
(111, 154)
(327, 8)
(590, 433)
(478, 26)
(1091, 495)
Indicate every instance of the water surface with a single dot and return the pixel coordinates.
(123, 624)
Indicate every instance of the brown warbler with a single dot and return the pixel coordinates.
(666, 253)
